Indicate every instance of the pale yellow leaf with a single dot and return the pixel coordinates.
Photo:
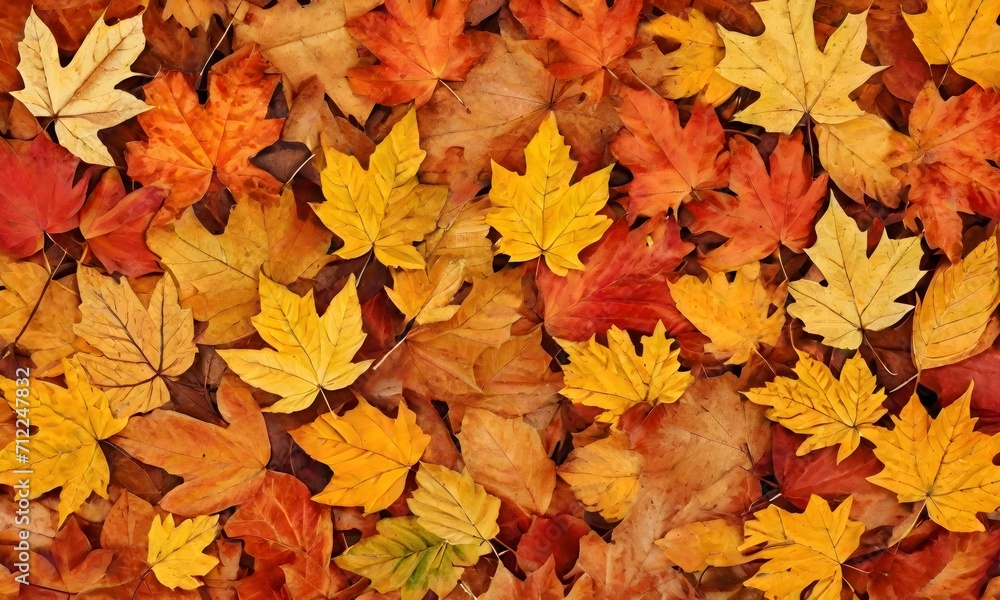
(176, 552)
(604, 475)
(81, 97)
(793, 76)
(958, 304)
(860, 292)
(454, 507)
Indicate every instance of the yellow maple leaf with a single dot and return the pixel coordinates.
(828, 410)
(311, 353)
(963, 35)
(690, 68)
(424, 296)
(454, 507)
(696, 546)
(217, 274)
(65, 450)
(604, 475)
(943, 462)
(793, 76)
(81, 97)
(616, 378)
(860, 293)
(860, 154)
(541, 213)
(733, 315)
(370, 454)
(139, 345)
(384, 208)
(176, 552)
(802, 549)
(406, 557)
(48, 337)
(958, 305)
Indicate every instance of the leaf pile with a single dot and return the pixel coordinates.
(487, 299)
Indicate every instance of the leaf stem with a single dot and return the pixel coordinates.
(38, 303)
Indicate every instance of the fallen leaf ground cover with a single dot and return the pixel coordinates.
(478, 299)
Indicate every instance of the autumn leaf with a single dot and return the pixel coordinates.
(942, 462)
(952, 172)
(958, 304)
(860, 156)
(861, 291)
(218, 274)
(311, 353)
(175, 551)
(48, 336)
(506, 457)
(384, 209)
(670, 164)
(221, 467)
(830, 411)
(604, 475)
(65, 451)
(802, 549)
(193, 13)
(589, 35)
(689, 69)
(699, 545)
(793, 76)
(734, 315)
(541, 213)
(139, 345)
(615, 377)
(37, 193)
(194, 148)
(418, 45)
(623, 284)
(81, 97)
(370, 454)
(761, 217)
(406, 557)
(114, 224)
(454, 507)
(284, 530)
(963, 36)
(543, 584)
(306, 40)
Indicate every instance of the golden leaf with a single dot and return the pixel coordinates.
(616, 378)
(81, 97)
(48, 337)
(311, 353)
(802, 549)
(828, 410)
(406, 557)
(948, 324)
(861, 291)
(963, 35)
(370, 454)
(424, 296)
(139, 345)
(733, 315)
(688, 70)
(541, 213)
(384, 208)
(702, 544)
(217, 274)
(192, 14)
(860, 154)
(64, 451)
(604, 475)
(943, 462)
(454, 507)
(176, 552)
(793, 76)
